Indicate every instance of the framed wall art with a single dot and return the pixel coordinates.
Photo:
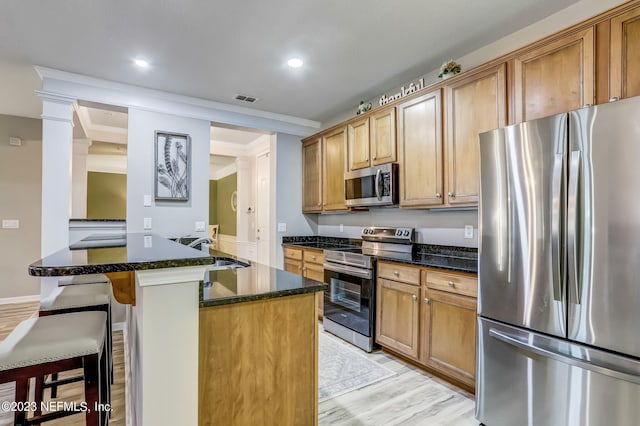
(172, 175)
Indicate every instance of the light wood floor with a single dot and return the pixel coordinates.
(411, 397)
(10, 316)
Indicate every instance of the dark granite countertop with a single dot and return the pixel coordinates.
(131, 252)
(459, 259)
(256, 282)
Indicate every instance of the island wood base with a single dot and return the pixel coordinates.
(258, 362)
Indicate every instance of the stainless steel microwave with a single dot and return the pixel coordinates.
(373, 186)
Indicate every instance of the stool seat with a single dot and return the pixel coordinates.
(72, 296)
(84, 279)
(53, 338)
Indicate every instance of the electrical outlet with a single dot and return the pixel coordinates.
(10, 224)
(146, 202)
(147, 223)
(148, 241)
(468, 231)
(199, 226)
(282, 227)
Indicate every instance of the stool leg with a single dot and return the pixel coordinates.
(54, 388)
(39, 395)
(22, 388)
(92, 388)
(105, 384)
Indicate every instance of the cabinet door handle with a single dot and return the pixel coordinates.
(313, 257)
(451, 284)
(451, 195)
(438, 195)
(414, 297)
(426, 300)
(396, 273)
(319, 204)
(375, 158)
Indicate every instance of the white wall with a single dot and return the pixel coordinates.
(287, 151)
(168, 218)
(442, 227)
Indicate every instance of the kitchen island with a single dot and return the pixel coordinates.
(244, 345)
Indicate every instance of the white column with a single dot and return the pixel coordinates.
(79, 178)
(57, 134)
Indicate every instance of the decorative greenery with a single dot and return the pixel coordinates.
(450, 67)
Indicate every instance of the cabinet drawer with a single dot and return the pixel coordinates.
(293, 253)
(396, 272)
(293, 266)
(313, 271)
(314, 256)
(454, 283)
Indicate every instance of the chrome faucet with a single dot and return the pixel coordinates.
(201, 240)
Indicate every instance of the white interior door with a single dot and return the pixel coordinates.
(262, 208)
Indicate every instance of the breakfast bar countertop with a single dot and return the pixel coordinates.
(129, 252)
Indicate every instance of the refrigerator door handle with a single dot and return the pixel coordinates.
(556, 353)
(556, 223)
(572, 224)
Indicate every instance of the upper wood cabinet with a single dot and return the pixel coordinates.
(372, 140)
(358, 142)
(624, 63)
(420, 150)
(383, 136)
(334, 145)
(312, 175)
(474, 105)
(555, 77)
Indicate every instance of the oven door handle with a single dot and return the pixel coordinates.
(350, 270)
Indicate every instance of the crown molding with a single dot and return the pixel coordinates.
(85, 88)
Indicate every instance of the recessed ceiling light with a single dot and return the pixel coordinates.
(141, 63)
(295, 62)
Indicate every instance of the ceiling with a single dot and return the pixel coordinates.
(216, 49)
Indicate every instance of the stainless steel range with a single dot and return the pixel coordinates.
(349, 303)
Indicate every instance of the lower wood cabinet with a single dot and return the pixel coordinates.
(397, 313)
(308, 263)
(449, 334)
(431, 320)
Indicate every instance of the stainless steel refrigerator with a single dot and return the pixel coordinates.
(559, 270)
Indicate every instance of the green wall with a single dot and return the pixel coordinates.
(106, 196)
(220, 211)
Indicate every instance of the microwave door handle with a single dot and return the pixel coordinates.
(377, 184)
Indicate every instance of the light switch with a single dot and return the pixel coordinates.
(199, 226)
(10, 223)
(468, 231)
(282, 227)
(147, 223)
(147, 201)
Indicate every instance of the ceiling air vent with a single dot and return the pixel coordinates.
(245, 98)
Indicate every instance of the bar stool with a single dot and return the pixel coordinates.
(52, 344)
(78, 294)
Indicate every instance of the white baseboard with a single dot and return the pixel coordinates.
(19, 299)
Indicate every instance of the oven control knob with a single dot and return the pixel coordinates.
(406, 233)
(398, 232)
